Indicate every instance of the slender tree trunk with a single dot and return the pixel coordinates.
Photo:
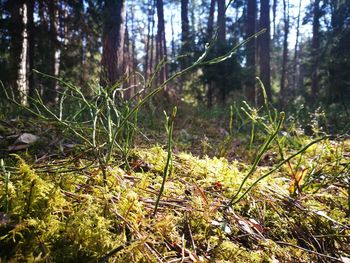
(50, 93)
(31, 47)
(315, 48)
(161, 42)
(133, 47)
(148, 51)
(251, 51)
(185, 33)
(265, 72)
(285, 51)
(210, 25)
(221, 20)
(22, 75)
(113, 42)
(296, 53)
(274, 9)
(210, 30)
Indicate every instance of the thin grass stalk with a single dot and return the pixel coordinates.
(167, 168)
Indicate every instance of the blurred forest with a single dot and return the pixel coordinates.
(303, 58)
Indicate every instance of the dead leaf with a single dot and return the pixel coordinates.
(23, 142)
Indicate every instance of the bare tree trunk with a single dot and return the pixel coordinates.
(161, 42)
(22, 75)
(265, 72)
(50, 93)
(31, 47)
(113, 42)
(274, 9)
(210, 30)
(285, 50)
(221, 20)
(315, 44)
(149, 38)
(185, 33)
(210, 26)
(251, 51)
(296, 53)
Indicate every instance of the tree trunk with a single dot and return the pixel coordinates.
(22, 76)
(185, 33)
(315, 44)
(149, 40)
(210, 26)
(210, 30)
(251, 52)
(265, 73)
(31, 47)
(112, 42)
(285, 51)
(296, 53)
(19, 48)
(274, 9)
(51, 92)
(221, 20)
(161, 42)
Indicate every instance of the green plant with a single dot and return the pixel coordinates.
(169, 127)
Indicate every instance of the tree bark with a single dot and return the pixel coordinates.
(221, 21)
(251, 52)
(31, 47)
(274, 9)
(315, 45)
(112, 42)
(51, 93)
(265, 72)
(210, 30)
(19, 48)
(285, 51)
(296, 53)
(210, 25)
(185, 33)
(161, 41)
(22, 75)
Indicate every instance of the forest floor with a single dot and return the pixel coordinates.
(221, 203)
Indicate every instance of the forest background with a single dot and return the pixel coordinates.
(302, 59)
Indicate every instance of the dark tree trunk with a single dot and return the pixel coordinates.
(285, 51)
(274, 9)
(210, 30)
(113, 42)
(265, 73)
(315, 45)
(161, 42)
(50, 93)
(221, 20)
(19, 48)
(210, 26)
(251, 51)
(31, 47)
(185, 33)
